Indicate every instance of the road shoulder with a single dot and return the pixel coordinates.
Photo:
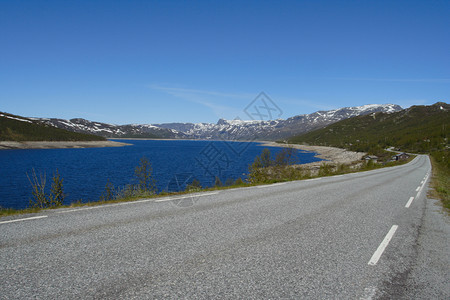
(430, 276)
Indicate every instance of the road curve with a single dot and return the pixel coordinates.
(352, 236)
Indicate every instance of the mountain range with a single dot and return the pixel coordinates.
(278, 129)
(419, 128)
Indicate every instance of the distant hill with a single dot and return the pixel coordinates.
(19, 129)
(417, 129)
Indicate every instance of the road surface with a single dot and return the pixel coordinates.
(369, 235)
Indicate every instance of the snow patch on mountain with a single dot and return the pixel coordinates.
(17, 119)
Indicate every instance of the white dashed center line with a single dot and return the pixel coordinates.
(376, 256)
(409, 202)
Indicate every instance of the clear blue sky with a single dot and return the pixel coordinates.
(196, 61)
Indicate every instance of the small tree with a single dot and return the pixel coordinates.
(286, 157)
(109, 192)
(57, 190)
(265, 158)
(217, 182)
(258, 170)
(257, 173)
(143, 174)
(40, 199)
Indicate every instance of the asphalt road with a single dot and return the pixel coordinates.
(341, 237)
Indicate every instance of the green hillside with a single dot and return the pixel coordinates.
(418, 129)
(20, 129)
(421, 129)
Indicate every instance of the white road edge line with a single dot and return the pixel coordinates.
(314, 179)
(409, 202)
(132, 202)
(25, 219)
(100, 206)
(270, 185)
(184, 197)
(376, 256)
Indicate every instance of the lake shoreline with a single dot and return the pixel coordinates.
(87, 172)
(12, 145)
(331, 155)
(327, 154)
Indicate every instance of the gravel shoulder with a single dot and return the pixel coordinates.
(331, 154)
(59, 145)
(430, 274)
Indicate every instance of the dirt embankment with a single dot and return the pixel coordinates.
(59, 145)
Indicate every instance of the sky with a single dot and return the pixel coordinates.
(154, 62)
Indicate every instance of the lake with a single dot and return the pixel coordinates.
(86, 171)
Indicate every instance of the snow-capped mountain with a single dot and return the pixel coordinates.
(111, 130)
(224, 129)
(274, 129)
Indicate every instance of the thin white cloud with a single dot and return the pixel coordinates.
(207, 98)
(178, 91)
(211, 100)
(432, 80)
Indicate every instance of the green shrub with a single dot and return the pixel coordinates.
(194, 186)
(229, 182)
(239, 181)
(40, 197)
(265, 170)
(325, 170)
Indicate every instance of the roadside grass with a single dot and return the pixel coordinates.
(440, 181)
(266, 175)
(274, 174)
(10, 211)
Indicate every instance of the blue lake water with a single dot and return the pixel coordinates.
(86, 171)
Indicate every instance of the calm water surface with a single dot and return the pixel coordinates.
(86, 171)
